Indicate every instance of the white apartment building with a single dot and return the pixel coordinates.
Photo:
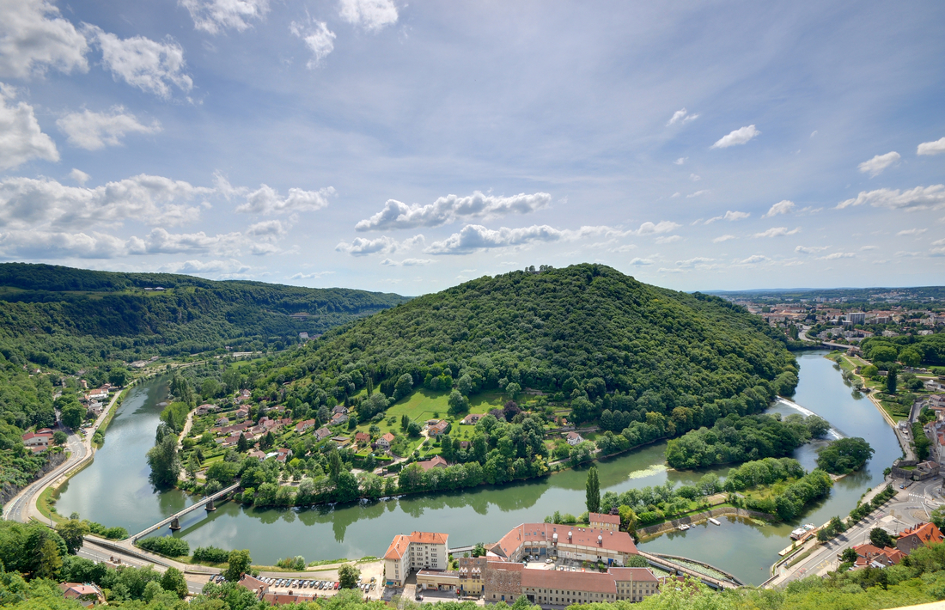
(418, 551)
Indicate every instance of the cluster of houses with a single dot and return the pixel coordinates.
(95, 399)
(922, 535)
(501, 574)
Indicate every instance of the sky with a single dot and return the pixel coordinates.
(410, 146)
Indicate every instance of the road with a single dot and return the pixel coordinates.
(907, 508)
(19, 508)
(23, 508)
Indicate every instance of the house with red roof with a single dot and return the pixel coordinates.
(86, 594)
(385, 441)
(436, 462)
(39, 440)
(868, 555)
(916, 537)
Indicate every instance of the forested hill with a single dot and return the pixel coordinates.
(586, 330)
(64, 318)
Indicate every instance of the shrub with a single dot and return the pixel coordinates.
(171, 547)
(211, 554)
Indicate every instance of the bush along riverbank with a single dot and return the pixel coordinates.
(770, 489)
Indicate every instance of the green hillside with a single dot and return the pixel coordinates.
(65, 318)
(587, 335)
(60, 321)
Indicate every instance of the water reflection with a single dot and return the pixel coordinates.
(481, 515)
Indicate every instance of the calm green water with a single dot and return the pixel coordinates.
(115, 491)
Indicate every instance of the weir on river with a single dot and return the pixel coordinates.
(115, 490)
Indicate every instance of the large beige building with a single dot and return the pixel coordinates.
(418, 551)
(544, 540)
(498, 581)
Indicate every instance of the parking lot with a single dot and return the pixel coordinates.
(326, 586)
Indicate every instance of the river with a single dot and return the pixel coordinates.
(115, 491)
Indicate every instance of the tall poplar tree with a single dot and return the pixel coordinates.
(593, 490)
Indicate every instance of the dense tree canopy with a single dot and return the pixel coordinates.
(738, 439)
(845, 455)
(586, 333)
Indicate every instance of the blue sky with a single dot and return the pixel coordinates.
(407, 147)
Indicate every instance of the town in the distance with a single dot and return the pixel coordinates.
(639, 488)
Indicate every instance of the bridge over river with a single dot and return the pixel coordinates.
(174, 519)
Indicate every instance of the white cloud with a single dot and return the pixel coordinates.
(34, 38)
(476, 237)
(640, 262)
(94, 130)
(267, 200)
(872, 247)
(410, 262)
(664, 226)
(144, 63)
(694, 262)
(451, 208)
(681, 160)
(730, 216)
(695, 177)
(877, 164)
(777, 232)
(213, 16)
(911, 232)
(919, 198)
(21, 138)
(811, 249)
(813, 133)
(268, 229)
(317, 37)
(682, 117)
(27, 203)
(836, 255)
(781, 207)
(230, 267)
(362, 247)
(741, 135)
(667, 239)
(310, 276)
(79, 176)
(723, 238)
(932, 148)
(57, 244)
(159, 241)
(939, 242)
(372, 15)
(754, 259)
(696, 194)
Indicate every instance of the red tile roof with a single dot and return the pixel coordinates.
(602, 518)
(592, 582)
(401, 543)
(927, 533)
(620, 542)
(436, 462)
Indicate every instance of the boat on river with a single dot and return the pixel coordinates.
(683, 527)
(714, 521)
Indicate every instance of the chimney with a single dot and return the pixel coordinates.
(569, 536)
(600, 540)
